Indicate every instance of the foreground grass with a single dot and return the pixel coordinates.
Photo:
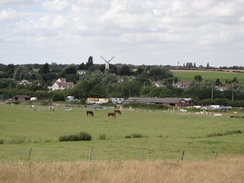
(214, 171)
(164, 135)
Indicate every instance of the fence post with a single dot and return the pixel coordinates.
(216, 155)
(29, 154)
(90, 153)
(142, 153)
(182, 156)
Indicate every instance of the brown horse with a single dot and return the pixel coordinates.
(90, 113)
(111, 114)
(117, 111)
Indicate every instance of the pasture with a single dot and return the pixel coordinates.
(165, 135)
(188, 75)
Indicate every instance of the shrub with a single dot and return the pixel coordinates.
(1, 141)
(224, 133)
(134, 135)
(102, 137)
(76, 137)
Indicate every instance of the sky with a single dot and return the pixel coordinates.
(149, 32)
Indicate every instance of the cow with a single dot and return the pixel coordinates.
(51, 108)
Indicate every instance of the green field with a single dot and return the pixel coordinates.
(165, 135)
(184, 75)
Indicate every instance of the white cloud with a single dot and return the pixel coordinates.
(133, 30)
(55, 5)
(7, 14)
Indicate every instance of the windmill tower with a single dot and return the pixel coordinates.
(106, 71)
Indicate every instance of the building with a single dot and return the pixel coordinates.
(171, 102)
(182, 84)
(61, 84)
(22, 97)
(81, 72)
(158, 84)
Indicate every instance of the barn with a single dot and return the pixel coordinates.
(173, 102)
(22, 97)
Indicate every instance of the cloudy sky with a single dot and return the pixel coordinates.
(150, 32)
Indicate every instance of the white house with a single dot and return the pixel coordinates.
(183, 84)
(61, 84)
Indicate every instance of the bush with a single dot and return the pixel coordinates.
(1, 141)
(134, 135)
(224, 133)
(102, 137)
(76, 137)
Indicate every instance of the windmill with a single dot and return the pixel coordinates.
(107, 64)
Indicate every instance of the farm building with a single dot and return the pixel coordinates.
(174, 102)
(22, 97)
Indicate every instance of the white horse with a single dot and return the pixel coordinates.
(51, 108)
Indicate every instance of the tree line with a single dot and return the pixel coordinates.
(122, 81)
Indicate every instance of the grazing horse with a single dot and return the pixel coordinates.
(111, 114)
(33, 108)
(90, 113)
(51, 108)
(117, 111)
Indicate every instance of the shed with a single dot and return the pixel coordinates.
(22, 97)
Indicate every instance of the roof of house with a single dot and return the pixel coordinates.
(22, 96)
(65, 84)
(159, 84)
(183, 82)
(61, 80)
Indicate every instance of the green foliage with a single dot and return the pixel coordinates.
(44, 69)
(134, 135)
(21, 73)
(82, 136)
(125, 71)
(231, 132)
(1, 141)
(59, 97)
(198, 78)
(102, 137)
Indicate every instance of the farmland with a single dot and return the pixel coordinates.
(208, 157)
(188, 75)
(165, 135)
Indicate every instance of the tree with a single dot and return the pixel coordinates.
(130, 88)
(21, 73)
(89, 63)
(71, 70)
(82, 66)
(125, 71)
(218, 82)
(44, 69)
(198, 78)
(98, 91)
(110, 78)
(59, 97)
(10, 70)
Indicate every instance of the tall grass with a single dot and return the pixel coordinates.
(215, 171)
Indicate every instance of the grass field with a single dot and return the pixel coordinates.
(165, 135)
(188, 75)
(229, 170)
